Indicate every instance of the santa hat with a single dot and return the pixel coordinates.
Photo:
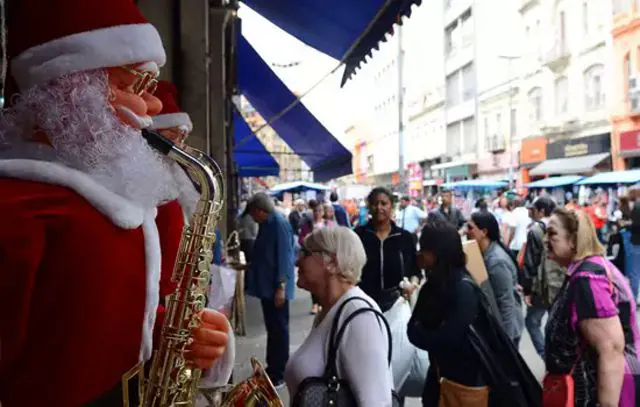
(51, 38)
(171, 115)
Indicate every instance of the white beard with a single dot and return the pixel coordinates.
(75, 115)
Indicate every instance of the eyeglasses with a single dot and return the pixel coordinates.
(145, 81)
(306, 252)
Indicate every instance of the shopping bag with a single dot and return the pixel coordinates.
(222, 289)
(413, 385)
(403, 351)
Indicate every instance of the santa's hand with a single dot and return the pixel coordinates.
(209, 339)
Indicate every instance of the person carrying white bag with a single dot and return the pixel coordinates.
(409, 364)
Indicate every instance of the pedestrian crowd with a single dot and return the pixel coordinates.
(403, 272)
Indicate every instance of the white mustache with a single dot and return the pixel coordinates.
(142, 122)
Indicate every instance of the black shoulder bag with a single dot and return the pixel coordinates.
(329, 390)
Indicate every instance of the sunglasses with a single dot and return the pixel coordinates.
(145, 81)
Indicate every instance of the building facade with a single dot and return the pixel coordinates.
(566, 71)
(625, 137)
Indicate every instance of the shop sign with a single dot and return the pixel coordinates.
(579, 147)
(533, 150)
(630, 141)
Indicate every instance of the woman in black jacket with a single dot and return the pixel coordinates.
(391, 253)
(446, 306)
(450, 302)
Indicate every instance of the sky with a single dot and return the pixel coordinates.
(326, 102)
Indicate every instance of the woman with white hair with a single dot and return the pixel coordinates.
(330, 265)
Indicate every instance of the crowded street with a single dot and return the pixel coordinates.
(303, 203)
(254, 343)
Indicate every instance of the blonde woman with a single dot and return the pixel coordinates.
(591, 332)
(330, 265)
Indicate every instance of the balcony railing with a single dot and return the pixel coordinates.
(557, 58)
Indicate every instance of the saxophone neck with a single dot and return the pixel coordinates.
(207, 176)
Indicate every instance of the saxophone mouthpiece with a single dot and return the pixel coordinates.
(158, 141)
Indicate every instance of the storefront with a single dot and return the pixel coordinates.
(414, 179)
(630, 148)
(533, 151)
(582, 156)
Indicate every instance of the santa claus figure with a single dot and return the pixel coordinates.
(89, 213)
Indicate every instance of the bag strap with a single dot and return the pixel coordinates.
(336, 318)
(331, 369)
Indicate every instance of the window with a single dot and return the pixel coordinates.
(453, 139)
(562, 96)
(594, 92)
(486, 128)
(585, 18)
(535, 105)
(466, 30)
(453, 89)
(468, 82)
(452, 39)
(627, 70)
(469, 135)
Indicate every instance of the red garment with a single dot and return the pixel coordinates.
(72, 293)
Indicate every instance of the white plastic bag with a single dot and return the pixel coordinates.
(223, 288)
(398, 317)
(221, 292)
(409, 364)
(413, 385)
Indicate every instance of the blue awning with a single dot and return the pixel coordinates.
(251, 156)
(474, 184)
(342, 29)
(555, 182)
(306, 136)
(615, 177)
(298, 186)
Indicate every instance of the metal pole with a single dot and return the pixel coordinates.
(401, 170)
(510, 141)
(509, 147)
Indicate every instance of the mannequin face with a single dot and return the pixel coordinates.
(130, 94)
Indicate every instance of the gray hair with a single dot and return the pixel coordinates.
(260, 201)
(345, 245)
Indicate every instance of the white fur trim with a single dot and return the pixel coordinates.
(149, 66)
(103, 48)
(136, 121)
(122, 212)
(153, 259)
(169, 120)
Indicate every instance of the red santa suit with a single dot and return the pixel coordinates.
(82, 269)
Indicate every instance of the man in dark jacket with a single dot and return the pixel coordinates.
(542, 278)
(341, 214)
(449, 212)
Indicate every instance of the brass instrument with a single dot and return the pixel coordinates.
(172, 381)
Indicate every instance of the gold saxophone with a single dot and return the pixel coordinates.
(172, 380)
